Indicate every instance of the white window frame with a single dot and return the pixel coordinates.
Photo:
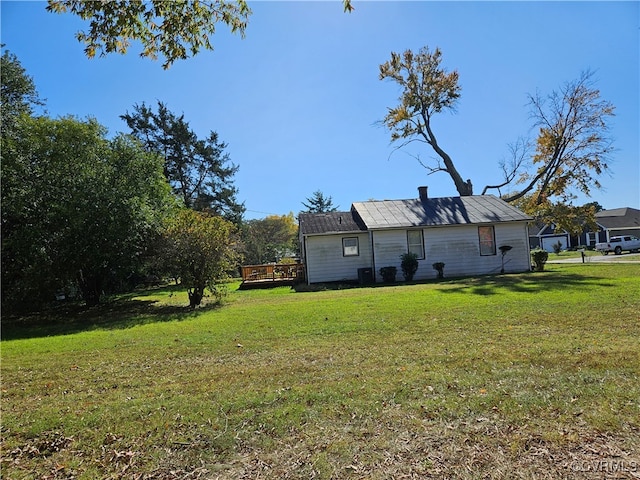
(350, 250)
(415, 246)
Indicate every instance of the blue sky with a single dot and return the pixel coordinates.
(299, 101)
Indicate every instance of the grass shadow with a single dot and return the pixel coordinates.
(484, 285)
(530, 282)
(121, 312)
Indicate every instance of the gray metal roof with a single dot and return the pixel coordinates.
(330, 222)
(437, 212)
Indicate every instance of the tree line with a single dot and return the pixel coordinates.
(84, 214)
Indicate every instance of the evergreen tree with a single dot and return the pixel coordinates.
(199, 170)
(318, 203)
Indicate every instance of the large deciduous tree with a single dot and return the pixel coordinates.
(18, 95)
(199, 170)
(572, 151)
(572, 148)
(573, 144)
(269, 239)
(201, 250)
(172, 29)
(78, 208)
(571, 218)
(427, 89)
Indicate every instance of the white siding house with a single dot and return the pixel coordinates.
(334, 246)
(464, 233)
(327, 262)
(458, 248)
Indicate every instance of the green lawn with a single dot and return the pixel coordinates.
(565, 254)
(517, 376)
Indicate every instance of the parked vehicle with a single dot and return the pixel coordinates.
(619, 244)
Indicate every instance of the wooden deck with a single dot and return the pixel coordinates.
(271, 275)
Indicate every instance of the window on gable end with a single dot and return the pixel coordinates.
(487, 237)
(350, 247)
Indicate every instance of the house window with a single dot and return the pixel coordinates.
(487, 236)
(350, 247)
(415, 243)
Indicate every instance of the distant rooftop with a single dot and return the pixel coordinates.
(619, 218)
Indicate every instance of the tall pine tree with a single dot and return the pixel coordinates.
(199, 170)
(318, 203)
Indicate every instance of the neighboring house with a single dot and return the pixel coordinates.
(547, 236)
(618, 221)
(464, 233)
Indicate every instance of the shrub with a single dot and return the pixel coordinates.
(557, 247)
(388, 274)
(409, 265)
(539, 258)
(200, 249)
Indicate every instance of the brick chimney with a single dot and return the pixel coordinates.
(422, 193)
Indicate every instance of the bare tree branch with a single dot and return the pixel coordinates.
(573, 144)
(511, 168)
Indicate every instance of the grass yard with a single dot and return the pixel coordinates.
(517, 376)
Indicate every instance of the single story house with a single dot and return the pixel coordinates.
(547, 236)
(609, 223)
(464, 233)
(617, 221)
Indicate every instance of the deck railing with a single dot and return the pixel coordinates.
(273, 272)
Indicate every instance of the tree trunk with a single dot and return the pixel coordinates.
(195, 296)
(465, 189)
(91, 287)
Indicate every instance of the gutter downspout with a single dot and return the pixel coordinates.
(306, 267)
(528, 252)
(373, 256)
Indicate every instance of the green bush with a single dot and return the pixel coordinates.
(409, 265)
(539, 258)
(388, 274)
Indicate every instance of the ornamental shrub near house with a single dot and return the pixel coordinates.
(409, 265)
(388, 274)
(539, 258)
